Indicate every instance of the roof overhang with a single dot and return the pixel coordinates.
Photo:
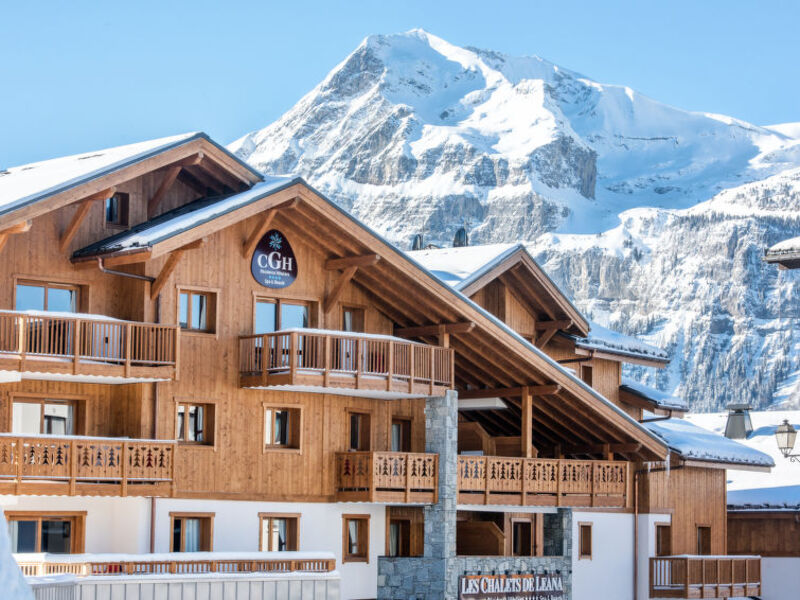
(713, 464)
(785, 260)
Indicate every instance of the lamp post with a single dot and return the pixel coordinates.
(785, 435)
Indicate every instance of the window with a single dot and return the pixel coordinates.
(282, 427)
(399, 543)
(194, 423)
(279, 532)
(663, 540)
(54, 297)
(401, 435)
(45, 532)
(192, 532)
(355, 538)
(53, 417)
(274, 315)
(703, 540)
(117, 210)
(353, 319)
(586, 375)
(359, 431)
(585, 531)
(521, 538)
(197, 311)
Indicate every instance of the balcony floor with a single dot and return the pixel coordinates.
(343, 384)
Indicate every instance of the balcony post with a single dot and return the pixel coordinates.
(559, 476)
(293, 350)
(76, 353)
(359, 358)
(265, 350)
(591, 483)
(411, 368)
(127, 349)
(20, 458)
(177, 351)
(21, 341)
(124, 469)
(390, 367)
(326, 371)
(73, 468)
(371, 458)
(407, 461)
(433, 367)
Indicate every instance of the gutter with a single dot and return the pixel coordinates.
(122, 273)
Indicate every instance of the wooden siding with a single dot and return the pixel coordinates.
(764, 533)
(695, 497)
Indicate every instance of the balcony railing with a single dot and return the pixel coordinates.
(86, 345)
(705, 576)
(541, 482)
(84, 565)
(85, 466)
(329, 359)
(387, 477)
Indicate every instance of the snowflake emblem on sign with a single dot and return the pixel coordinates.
(275, 241)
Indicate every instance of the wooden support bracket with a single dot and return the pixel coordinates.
(533, 390)
(367, 260)
(19, 228)
(338, 288)
(80, 213)
(440, 329)
(172, 262)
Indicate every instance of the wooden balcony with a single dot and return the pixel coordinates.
(334, 361)
(542, 481)
(705, 576)
(84, 466)
(177, 563)
(403, 477)
(85, 345)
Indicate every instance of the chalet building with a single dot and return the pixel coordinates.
(206, 370)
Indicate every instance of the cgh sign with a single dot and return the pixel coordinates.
(274, 264)
(516, 587)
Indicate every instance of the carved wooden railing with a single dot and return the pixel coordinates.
(82, 462)
(705, 576)
(535, 481)
(87, 340)
(360, 360)
(377, 476)
(173, 563)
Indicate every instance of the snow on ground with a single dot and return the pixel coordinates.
(694, 442)
(12, 583)
(779, 487)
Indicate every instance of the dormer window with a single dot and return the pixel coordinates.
(117, 210)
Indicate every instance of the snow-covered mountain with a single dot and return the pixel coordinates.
(653, 218)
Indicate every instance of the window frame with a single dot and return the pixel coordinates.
(659, 532)
(207, 529)
(124, 203)
(48, 285)
(407, 436)
(407, 523)
(582, 553)
(295, 429)
(278, 302)
(292, 534)
(212, 310)
(527, 522)
(363, 436)
(209, 416)
(77, 410)
(361, 311)
(587, 374)
(363, 535)
(77, 518)
(704, 527)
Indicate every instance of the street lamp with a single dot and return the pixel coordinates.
(785, 435)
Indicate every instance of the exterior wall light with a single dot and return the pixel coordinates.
(785, 435)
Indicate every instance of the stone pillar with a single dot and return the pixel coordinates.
(441, 437)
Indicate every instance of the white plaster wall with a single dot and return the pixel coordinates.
(780, 578)
(608, 575)
(123, 525)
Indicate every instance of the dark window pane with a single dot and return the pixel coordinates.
(282, 428)
(352, 536)
(176, 535)
(199, 310)
(355, 425)
(29, 297)
(56, 536)
(23, 536)
(279, 535)
(181, 422)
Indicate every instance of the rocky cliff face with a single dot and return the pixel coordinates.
(654, 219)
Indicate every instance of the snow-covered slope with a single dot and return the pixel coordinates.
(655, 217)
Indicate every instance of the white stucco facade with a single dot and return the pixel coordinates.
(780, 578)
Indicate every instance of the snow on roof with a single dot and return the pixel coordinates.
(695, 443)
(25, 184)
(790, 246)
(184, 218)
(455, 266)
(750, 490)
(659, 398)
(605, 340)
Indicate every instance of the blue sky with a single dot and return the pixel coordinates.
(79, 75)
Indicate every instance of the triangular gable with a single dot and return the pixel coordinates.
(31, 190)
(488, 352)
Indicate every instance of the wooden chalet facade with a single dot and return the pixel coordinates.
(195, 357)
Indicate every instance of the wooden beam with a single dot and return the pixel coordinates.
(338, 288)
(366, 260)
(542, 340)
(166, 183)
(440, 329)
(546, 325)
(18, 228)
(526, 434)
(603, 449)
(79, 215)
(128, 258)
(532, 390)
(172, 262)
(255, 236)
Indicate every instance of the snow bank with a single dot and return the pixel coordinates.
(12, 583)
(695, 443)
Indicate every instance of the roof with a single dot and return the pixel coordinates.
(657, 398)
(602, 339)
(694, 443)
(183, 218)
(753, 491)
(469, 268)
(27, 184)
(785, 253)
